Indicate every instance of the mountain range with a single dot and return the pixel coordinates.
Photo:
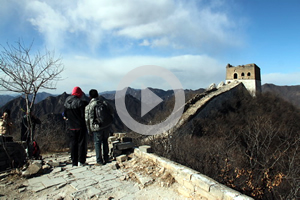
(289, 93)
(52, 105)
(39, 97)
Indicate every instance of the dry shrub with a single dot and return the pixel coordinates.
(51, 135)
(251, 145)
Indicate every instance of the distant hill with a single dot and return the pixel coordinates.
(16, 106)
(108, 94)
(48, 104)
(136, 93)
(53, 105)
(5, 98)
(288, 93)
(39, 97)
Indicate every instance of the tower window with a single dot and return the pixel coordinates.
(249, 74)
(243, 74)
(235, 76)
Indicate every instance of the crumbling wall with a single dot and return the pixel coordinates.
(212, 101)
(191, 183)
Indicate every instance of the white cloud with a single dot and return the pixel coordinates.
(161, 42)
(120, 26)
(49, 22)
(193, 71)
(176, 23)
(145, 43)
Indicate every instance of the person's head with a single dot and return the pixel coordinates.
(93, 93)
(7, 113)
(77, 92)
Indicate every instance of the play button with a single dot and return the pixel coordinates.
(149, 101)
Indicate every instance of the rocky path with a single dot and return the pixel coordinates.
(88, 182)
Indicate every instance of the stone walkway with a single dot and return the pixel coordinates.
(88, 182)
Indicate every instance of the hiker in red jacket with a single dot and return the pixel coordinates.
(74, 114)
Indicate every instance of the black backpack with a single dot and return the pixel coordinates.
(102, 113)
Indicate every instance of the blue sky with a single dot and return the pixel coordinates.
(101, 41)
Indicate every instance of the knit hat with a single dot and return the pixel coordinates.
(77, 92)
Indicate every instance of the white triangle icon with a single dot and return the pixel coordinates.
(148, 100)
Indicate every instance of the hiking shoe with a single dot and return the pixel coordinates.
(82, 164)
(107, 161)
(99, 164)
(74, 164)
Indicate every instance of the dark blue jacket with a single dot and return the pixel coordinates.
(74, 112)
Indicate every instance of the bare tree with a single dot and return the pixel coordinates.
(26, 72)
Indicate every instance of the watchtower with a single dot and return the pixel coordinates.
(248, 74)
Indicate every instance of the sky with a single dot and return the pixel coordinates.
(100, 41)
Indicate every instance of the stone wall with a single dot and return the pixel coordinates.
(212, 101)
(12, 154)
(192, 184)
(201, 107)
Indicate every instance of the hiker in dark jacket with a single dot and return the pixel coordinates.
(74, 114)
(25, 135)
(100, 133)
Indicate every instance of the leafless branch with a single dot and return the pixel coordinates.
(26, 72)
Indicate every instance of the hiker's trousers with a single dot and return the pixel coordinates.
(78, 146)
(101, 139)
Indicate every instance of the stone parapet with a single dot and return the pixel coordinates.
(192, 183)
